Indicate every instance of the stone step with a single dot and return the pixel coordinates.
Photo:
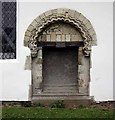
(60, 97)
(60, 85)
(60, 89)
(68, 101)
(58, 94)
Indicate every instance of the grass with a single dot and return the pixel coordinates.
(41, 112)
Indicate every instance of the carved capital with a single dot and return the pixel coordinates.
(87, 51)
(33, 47)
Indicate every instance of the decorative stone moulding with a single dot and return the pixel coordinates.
(72, 17)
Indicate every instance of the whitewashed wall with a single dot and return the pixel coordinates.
(15, 80)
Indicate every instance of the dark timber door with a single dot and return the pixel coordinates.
(60, 70)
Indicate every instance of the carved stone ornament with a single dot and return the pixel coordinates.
(61, 15)
(33, 47)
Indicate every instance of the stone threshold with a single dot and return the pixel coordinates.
(61, 97)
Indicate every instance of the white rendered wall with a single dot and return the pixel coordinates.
(16, 80)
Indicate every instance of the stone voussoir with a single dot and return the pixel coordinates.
(48, 13)
(88, 25)
(77, 14)
(94, 37)
(71, 13)
(42, 16)
(38, 19)
(81, 17)
(30, 28)
(26, 41)
(74, 17)
(94, 43)
(60, 11)
(85, 21)
(34, 23)
(28, 33)
(91, 31)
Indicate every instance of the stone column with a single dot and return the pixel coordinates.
(83, 73)
(37, 73)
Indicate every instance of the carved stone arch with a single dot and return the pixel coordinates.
(66, 15)
(31, 40)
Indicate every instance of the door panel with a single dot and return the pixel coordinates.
(60, 66)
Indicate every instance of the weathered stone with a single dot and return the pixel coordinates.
(28, 33)
(73, 17)
(33, 47)
(60, 11)
(36, 76)
(28, 63)
(30, 93)
(58, 37)
(61, 32)
(88, 25)
(94, 43)
(53, 13)
(34, 23)
(48, 38)
(85, 21)
(77, 14)
(69, 27)
(63, 37)
(94, 40)
(80, 69)
(42, 16)
(71, 13)
(26, 40)
(48, 13)
(53, 37)
(80, 54)
(73, 37)
(67, 38)
(44, 37)
(91, 31)
(81, 17)
(38, 19)
(30, 28)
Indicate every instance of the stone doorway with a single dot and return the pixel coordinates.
(60, 66)
(66, 36)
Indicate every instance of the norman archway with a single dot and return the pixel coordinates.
(60, 28)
